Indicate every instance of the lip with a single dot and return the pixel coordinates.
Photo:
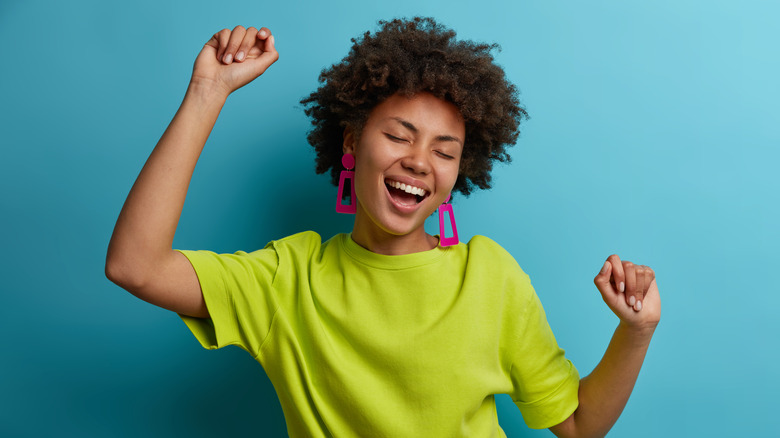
(409, 182)
(406, 209)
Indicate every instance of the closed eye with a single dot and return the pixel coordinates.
(443, 155)
(395, 139)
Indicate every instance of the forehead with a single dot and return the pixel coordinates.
(423, 110)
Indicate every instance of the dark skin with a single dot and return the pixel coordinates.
(408, 57)
(141, 259)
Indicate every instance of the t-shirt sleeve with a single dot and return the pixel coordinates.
(545, 382)
(238, 291)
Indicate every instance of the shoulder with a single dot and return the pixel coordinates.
(485, 243)
(303, 237)
(497, 269)
(306, 241)
(484, 249)
(306, 247)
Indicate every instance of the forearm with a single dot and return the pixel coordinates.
(147, 223)
(604, 393)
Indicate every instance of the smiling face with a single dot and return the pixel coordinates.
(406, 162)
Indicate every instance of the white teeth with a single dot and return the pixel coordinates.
(408, 188)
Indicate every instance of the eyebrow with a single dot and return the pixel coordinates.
(408, 125)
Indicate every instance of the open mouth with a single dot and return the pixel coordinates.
(405, 194)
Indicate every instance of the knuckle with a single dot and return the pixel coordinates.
(239, 27)
(223, 36)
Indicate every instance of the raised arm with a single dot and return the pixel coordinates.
(140, 257)
(632, 294)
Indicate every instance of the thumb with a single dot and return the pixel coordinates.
(602, 280)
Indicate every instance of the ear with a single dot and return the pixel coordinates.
(348, 146)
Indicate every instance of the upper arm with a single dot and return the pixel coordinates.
(170, 283)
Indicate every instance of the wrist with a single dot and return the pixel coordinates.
(638, 331)
(207, 90)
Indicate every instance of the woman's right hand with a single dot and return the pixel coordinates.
(232, 59)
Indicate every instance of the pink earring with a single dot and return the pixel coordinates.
(447, 241)
(348, 160)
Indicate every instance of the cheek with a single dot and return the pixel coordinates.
(450, 175)
(374, 160)
(367, 176)
(364, 169)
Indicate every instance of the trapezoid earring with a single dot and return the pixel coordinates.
(447, 241)
(348, 161)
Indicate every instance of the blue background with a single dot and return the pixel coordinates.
(654, 134)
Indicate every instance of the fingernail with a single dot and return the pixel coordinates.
(228, 58)
(604, 268)
(262, 33)
(622, 287)
(638, 306)
(632, 301)
(240, 56)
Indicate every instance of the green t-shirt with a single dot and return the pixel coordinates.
(359, 344)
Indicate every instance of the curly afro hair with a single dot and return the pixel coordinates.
(407, 57)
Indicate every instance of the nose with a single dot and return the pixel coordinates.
(417, 160)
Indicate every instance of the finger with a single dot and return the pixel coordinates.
(250, 38)
(647, 276)
(258, 42)
(603, 284)
(269, 55)
(214, 41)
(642, 281)
(222, 37)
(618, 276)
(236, 37)
(630, 271)
(269, 41)
(641, 286)
(264, 33)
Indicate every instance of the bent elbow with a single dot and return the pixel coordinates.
(113, 271)
(121, 274)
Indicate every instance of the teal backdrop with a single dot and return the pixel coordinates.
(654, 134)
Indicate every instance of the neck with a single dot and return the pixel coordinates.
(366, 234)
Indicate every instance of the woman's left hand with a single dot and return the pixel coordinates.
(631, 292)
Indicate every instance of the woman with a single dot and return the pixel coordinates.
(385, 331)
